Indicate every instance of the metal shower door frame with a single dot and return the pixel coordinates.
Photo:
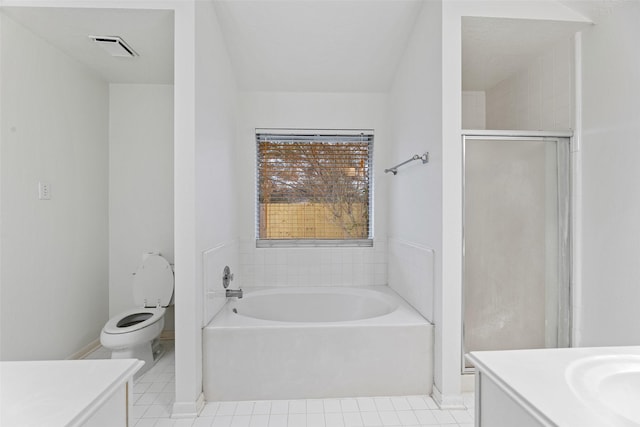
(562, 138)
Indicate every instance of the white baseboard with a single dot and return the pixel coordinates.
(82, 353)
(188, 409)
(168, 335)
(93, 345)
(447, 401)
(468, 382)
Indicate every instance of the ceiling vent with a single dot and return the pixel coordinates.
(115, 46)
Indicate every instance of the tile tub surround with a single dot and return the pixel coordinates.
(314, 266)
(556, 387)
(248, 358)
(154, 394)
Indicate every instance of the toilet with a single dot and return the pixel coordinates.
(134, 333)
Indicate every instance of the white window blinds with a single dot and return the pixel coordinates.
(314, 189)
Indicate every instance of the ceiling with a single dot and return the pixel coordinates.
(324, 45)
(300, 45)
(594, 10)
(148, 32)
(494, 48)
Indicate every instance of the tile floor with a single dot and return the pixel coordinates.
(154, 394)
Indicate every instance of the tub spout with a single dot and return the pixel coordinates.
(234, 293)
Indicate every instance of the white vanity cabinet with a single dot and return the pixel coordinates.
(570, 387)
(497, 406)
(88, 393)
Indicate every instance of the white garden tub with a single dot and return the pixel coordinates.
(316, 342)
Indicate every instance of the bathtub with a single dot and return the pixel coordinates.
(317, 342)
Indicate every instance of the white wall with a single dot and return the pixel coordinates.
(54, 252)
(611, 202)
(415, 203)
(140, 184)
(538, 97)
(205, 209)
(215, 162)
(448, 292)
(474, 110)
(311, 266)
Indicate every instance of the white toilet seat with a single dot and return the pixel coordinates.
(111, 327)
(135, 333)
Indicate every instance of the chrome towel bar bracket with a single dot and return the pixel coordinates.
(424, 158)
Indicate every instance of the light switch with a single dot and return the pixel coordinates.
(44, 191)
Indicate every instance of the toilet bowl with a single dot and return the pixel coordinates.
(134, 333)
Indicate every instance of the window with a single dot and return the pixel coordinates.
(314, 189)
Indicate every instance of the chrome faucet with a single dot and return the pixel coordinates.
(234, 293)
(227, 277)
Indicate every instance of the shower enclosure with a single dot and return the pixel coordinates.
(516, 260)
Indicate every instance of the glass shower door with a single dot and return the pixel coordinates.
(515, 243)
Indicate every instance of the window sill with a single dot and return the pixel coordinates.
(309, 243)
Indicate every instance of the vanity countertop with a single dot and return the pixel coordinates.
(59, 393)
(554, 385)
